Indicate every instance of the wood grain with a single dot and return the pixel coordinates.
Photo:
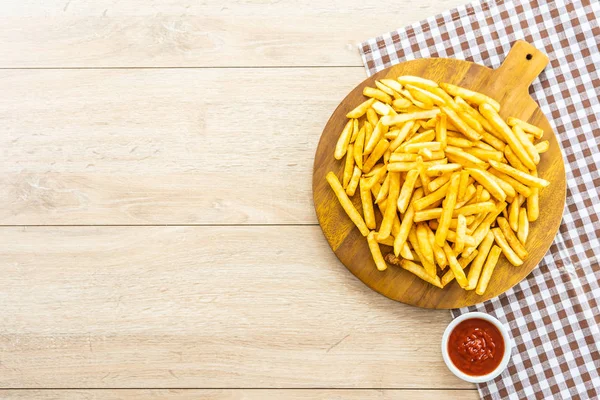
(202, 307)
(163, 146)
(509, 85)
(239, 394)
(199, 34)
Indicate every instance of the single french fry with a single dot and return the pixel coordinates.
(415, 147)
(377, 94)
(384, 190)
(367, 205)
(509, 253)
(542, 147)
(422, 137)
(493, 141)
(524, 178)
(459, 142)
(378, 177)
(523, 228)
(431, 198)
(348, 166)
(401, 104)
(519, 187)
(423, 175)
(478, 261)
(414, 241)
(368, 134)
(358, 148)
(533, 208)
(441, 129)
(457, 155)
(485, 196)
(456, 268)
(344, 140)
(534, 130)
(372, 116)
(513, 214)
(473, 113)
(403, 157)
(460, 124)
(353, 184)
(376, 251)
(375, 138)
(469, 195)
(420, 272)
(417, 81)
(512, 239)
(438, 252)
(461, 232)
(355, 130)
(426, 249)
(505, 186)
(377, 153)
(472, 226)
(513, 160)
(439, 170)
(361, 109)
(464, 262)
(439, 182)
(425, 95)
(392, 83)
(488, 269)
(346, 204)
(485, 155)
(386, 224)
(507, 134)
(488, 182)
(395, 224)
(407, 190)
(389, 120)
(447, 209)
(470, 95)
(386, 156)
(381, 86)
(402, 134)
(407, 222)
(463, 183)
(383, 109)
(526, 143)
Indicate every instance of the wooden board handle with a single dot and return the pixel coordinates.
(522, 65)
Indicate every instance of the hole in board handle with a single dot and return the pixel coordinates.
(529, 56)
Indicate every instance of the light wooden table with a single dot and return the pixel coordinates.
(158, 235)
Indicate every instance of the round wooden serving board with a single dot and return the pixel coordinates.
(508, 85)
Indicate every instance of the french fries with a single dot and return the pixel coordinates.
(488, 269)
(347, 204)
(444, 169)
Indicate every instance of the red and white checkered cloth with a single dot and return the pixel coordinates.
(553, 315)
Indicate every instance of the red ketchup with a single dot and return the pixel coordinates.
(476, 347)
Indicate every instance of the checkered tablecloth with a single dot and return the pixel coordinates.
(553, 315)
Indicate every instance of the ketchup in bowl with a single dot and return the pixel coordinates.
(476, 347)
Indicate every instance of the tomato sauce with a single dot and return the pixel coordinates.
(476, 347)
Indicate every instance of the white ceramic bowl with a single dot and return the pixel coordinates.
(507, 348)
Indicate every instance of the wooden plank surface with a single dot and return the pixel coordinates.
(184, 34)
(98, 133)
(238, 394)
(192, 146)
(202, 307)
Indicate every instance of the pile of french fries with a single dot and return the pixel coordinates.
(455, 184)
